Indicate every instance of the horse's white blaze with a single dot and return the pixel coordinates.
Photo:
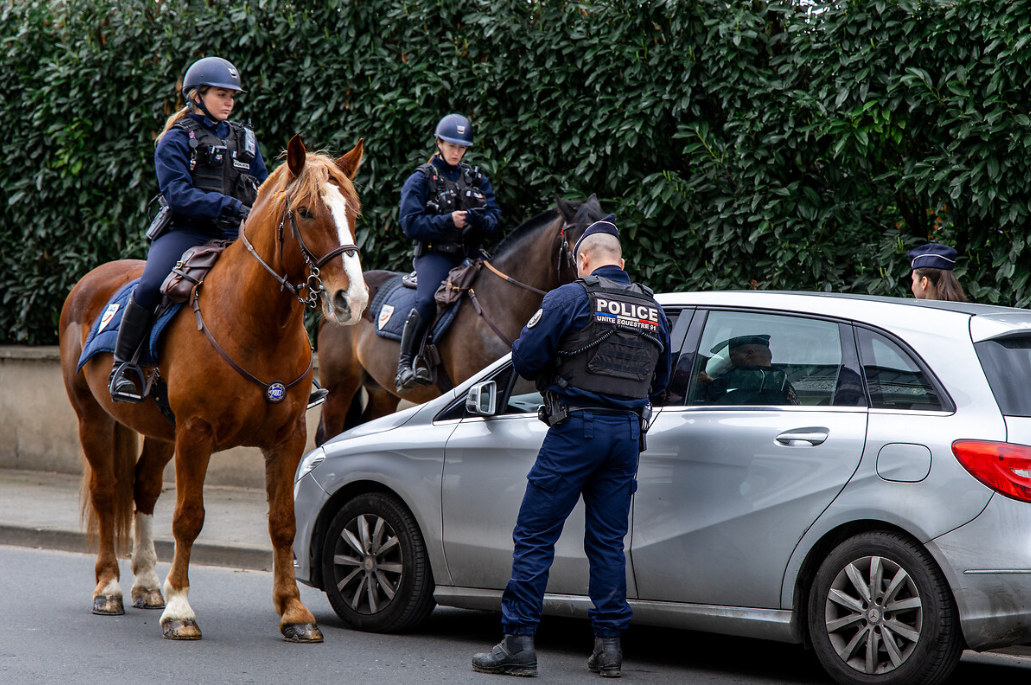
(144, 558)
(177, 607)
(112, 589)
(357, 294)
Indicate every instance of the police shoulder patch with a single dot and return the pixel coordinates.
(535, 318)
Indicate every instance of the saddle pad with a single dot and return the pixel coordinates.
(390, 308)
(104, 333)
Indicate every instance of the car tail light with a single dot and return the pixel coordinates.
(1002, 466)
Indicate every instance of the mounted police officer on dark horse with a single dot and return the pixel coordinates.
(447, 209)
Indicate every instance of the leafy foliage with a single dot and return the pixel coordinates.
(741, 144)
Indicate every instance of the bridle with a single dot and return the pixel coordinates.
(275, 391)
(313, 284)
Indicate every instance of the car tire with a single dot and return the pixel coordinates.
(882, 613)
(375, 569)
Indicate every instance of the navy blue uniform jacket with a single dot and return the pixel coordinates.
(419, 224)
(568, 308)
(172, 160)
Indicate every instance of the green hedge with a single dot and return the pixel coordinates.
(741, 144)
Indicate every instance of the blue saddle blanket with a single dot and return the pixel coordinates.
(390, 308)
(104, 333)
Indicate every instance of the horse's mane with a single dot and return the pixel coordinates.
(318, 170)
(524, 229)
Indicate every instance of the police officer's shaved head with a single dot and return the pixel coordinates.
(603, 248)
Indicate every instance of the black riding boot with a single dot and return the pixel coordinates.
(411, 339)
(607, 658)
(514, 655)
(318, 394)
(132, 332)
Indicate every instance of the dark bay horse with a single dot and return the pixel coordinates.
(299, 239)
(538, 253)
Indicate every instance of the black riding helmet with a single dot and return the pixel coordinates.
(214, 72)
(456, 129)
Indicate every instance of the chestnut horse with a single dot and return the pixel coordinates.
(538, 253)
(298, 239)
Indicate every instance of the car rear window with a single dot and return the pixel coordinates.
(1007, 364)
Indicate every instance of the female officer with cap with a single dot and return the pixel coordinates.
(208, 170)
(932, 275)
(447, 209)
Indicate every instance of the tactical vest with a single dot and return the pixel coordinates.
(446, 196)
(616, 353)
(221, 166)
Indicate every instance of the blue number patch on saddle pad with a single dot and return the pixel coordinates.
(390, 306)
(104, 333)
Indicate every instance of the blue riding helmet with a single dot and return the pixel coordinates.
(454, 128)
(212, 71)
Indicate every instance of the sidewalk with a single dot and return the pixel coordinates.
(39, 509)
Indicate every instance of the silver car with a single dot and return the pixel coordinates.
(863, 489)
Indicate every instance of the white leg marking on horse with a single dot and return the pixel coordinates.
(112, 589)
(357, 294)
(144, 557)
(177, 607)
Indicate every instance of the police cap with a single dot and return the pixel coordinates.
(932, 256)
(605, 225)
(738, 341)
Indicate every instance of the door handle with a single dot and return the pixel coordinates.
(795, 438)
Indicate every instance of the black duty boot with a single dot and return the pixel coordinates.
(132, 332)
(607, 658)
(514, 655)
(411, 339)
(318, 394)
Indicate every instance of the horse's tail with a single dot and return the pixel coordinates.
(126, 451)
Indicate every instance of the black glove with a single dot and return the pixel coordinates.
(476, 217)
(232, 216)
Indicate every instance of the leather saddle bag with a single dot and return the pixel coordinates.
(459, 280)
(190, 270)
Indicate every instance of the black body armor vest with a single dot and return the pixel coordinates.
(616, 353)
(221, 166)
(448, 196)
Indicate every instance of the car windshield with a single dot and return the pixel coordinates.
(1007, 364)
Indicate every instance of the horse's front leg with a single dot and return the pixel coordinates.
(297, 623)
(146, 590)
(193, 444)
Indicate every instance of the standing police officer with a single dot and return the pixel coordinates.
(208, 170)
(447, 209)
(599, 348)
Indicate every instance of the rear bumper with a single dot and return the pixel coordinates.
(988, 565)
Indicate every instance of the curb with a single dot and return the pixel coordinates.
(206, 554)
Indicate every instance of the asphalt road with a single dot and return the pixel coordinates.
(48, 635)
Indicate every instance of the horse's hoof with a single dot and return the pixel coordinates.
(108, 606)
(180, 629)
(301, 632)
(148, 599)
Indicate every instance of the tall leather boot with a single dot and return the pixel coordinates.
(411, 339)
(607, 658)
(136, 321)
(514, 655)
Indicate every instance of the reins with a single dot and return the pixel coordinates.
(276, 390)
(563, 251)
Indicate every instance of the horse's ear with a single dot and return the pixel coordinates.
(349, 162)
(296, 155)
(567, 208)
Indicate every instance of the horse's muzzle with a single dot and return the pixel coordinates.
(345, 307)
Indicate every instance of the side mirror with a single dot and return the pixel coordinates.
(482, 399)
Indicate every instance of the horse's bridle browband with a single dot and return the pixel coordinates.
(276, 390)
(313, 284)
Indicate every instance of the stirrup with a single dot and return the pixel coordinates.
(116, 388)
(421, 372)
(318, 396)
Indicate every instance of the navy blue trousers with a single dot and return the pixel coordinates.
(593, 454)
(432, 269)
(164, 253)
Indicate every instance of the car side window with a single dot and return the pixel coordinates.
(747, 358)
(894, 378)
(523, 397)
